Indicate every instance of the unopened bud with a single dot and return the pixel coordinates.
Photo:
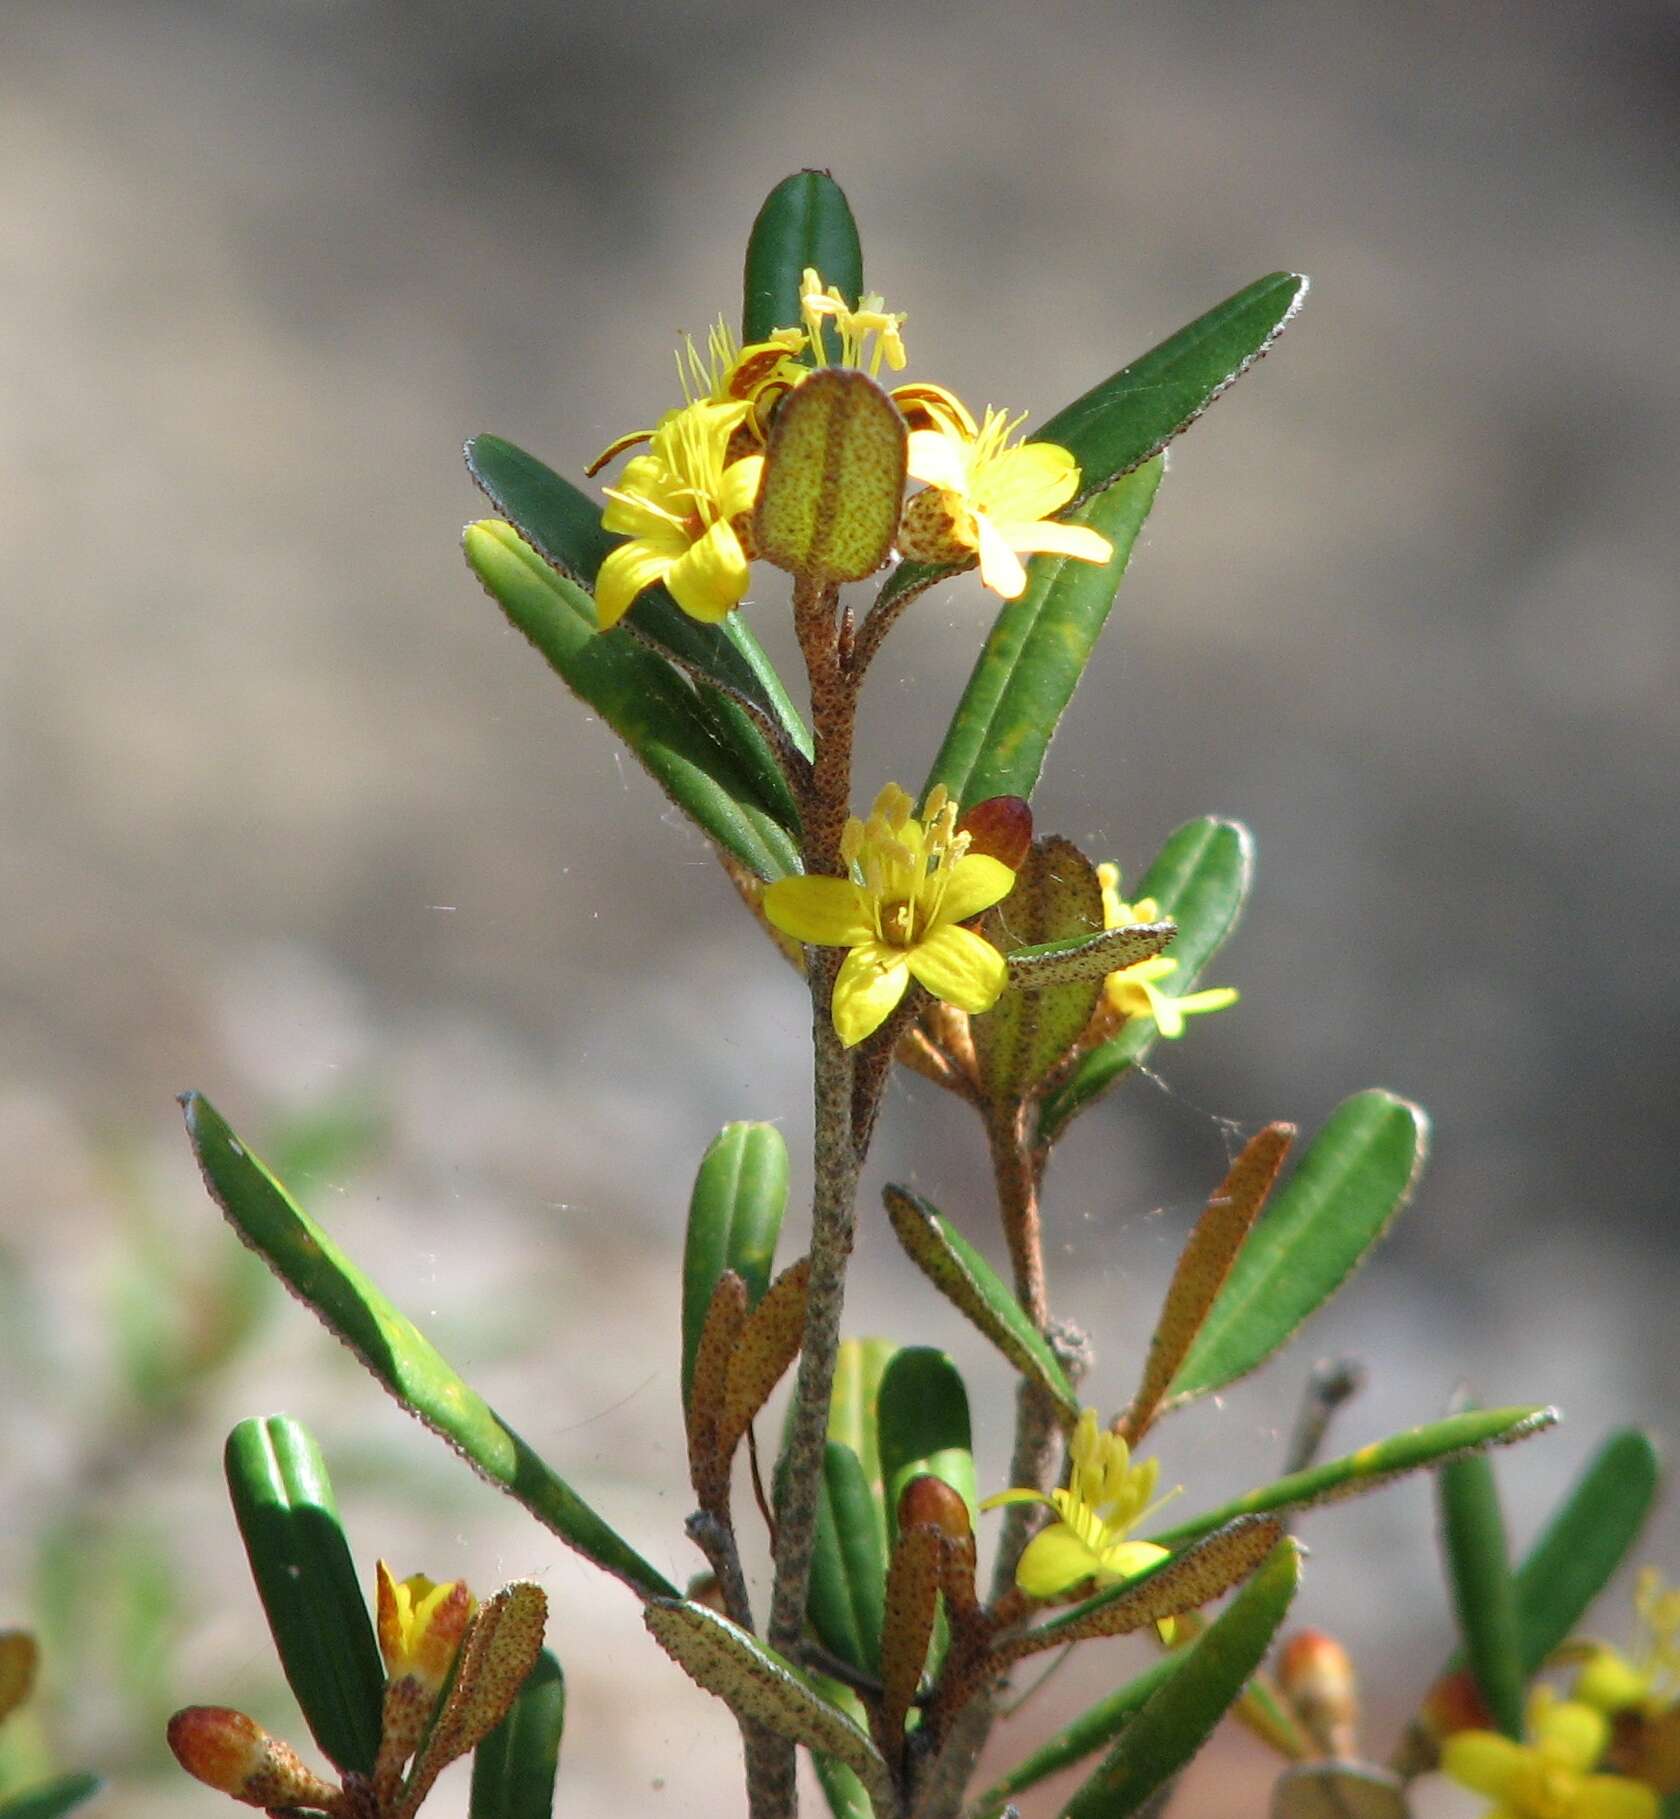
(930, 1502)
(1001, 827)
(18, 1660)
(421, 1625)
(234, 1754)
(1317, 1678)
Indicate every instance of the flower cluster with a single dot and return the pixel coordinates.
(686, 504)
(1552, 1776)
(1135, 991)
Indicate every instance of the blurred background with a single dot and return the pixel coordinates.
(288, 815)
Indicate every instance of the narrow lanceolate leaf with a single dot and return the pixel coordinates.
(1200, 880)
(514, 1767)
(1089, 958)
(300, 1560)
(1036, 652)
(708, 1462)
(768, 1344)
(1204, 1266)
(1096, 1725)
(912, 1599)
(805, 221)
(1356, 1175)
(922, 1411)
(849, 1567)
(563, 525)
(1338, 1790)
(1484, 1592)
(966, 1279)
(1184, 1582)
(1376, 1465)
(833, 485)
(51, 1799)
(393, 1349)
(1120, 423)
(759, 1686)
(651, 708)
(841, 1788)
(1180, 1717)
(734, 1219)
(852, 1409)
(1587, 1538)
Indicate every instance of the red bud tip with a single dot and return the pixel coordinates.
(930, 1502)
(1318, 1679)
(1000, 827)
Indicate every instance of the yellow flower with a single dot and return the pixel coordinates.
(420, 1625)
(1549, 1777)
(1133, 990)
(678, 504)
(1106, 1497)
(1647, 1680)
(991, 499)
(911, 886)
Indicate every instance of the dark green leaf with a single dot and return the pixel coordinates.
(734, 1219)
(1095, 1726)
(965, 1278)
(393, 1349)
(1374, 1466)
(51, 1799)
(1201, 881)
(1181, 1714)
(922, 1411)
(514, 1767)
(563, 525)
(1587, 1538)
(1354, 1178)
(858, 1371)
(306, 1579)
(1035, 654)
(1484, 1593)
(845, 1794)
(651, 708)
(805, 221)
(849, 1567)
(1120, 423)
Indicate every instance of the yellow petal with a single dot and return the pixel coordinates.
(871, 982)
(1614, 1797)
(1126, 1559)
(959, 966)
(711, 579)
(739, 491)
(626, 571)
(1569, 1732)
(1483, 1761)
(1015, 1496)
(1055, 1561)
(977, 882)
(1000, 567)
(937, 460)
(1051, 537)
(825, 911)
(1024, 484)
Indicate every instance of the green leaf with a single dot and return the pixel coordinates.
(762, 1688)
(965, 1278)
(805, 221)
(858, 1370)
(1096, 1725)
(845, 1794)
(1484, 1593)
(514, 1767)
(1587, 1538)
(1035, 654)
(922, 1411)
(563, 524)
(651, 708)
(734, 1218)
(300, 1560)
(849, 1566)
(1356, 1175)
(1119, 424)
(1374, 1466)
(393, 1349)
(51, 1799)
(1201, 881)
(1180, 1716)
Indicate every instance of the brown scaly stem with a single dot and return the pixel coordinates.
(833, 715)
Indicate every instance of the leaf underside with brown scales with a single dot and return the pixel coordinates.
(1202, 1268)
(1056, 898)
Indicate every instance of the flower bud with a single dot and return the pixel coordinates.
(234, 1754)
(1000, 827)
(930, 1502)
(1318, 1680)
(421, 1625)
